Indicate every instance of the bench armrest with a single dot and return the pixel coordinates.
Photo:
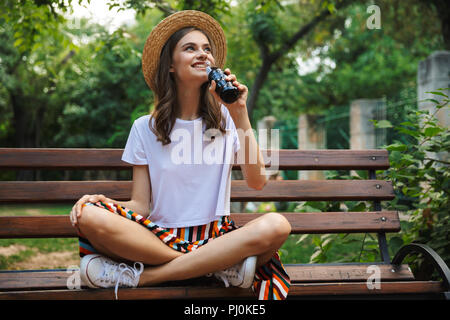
(429, 254)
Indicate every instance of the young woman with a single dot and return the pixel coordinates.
(182, 154)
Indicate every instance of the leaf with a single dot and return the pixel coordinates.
(384, 124)
(408, 132)
(432, 100)
(395, 243)
(407, 123)
(359, 207)
(317, 242)
(302, 238)
(315, 257)
(18, 42)
(436, 92)
(307, 208)
(397, 147)
(432, 131)
(331, 8)
(327, 243)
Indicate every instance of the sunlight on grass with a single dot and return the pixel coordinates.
(34, 209)
(29, 249)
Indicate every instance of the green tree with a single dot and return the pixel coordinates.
(275, 40)
(104, 93)
(29, 72)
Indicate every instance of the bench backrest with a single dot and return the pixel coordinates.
(285, 190)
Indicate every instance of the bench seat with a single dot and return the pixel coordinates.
(298, 290)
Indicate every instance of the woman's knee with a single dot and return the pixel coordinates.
(272, 230)
(93, 219)
(280, 228)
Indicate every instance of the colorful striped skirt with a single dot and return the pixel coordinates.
(271, 280)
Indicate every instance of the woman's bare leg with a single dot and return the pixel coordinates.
(262, 237)
(121, 238)
(117, 237)
(266, 256)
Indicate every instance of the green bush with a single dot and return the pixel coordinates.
(419, 171)
(421, 183)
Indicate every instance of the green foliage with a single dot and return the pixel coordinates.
(67, 95)
(33, 21)
(327, 244)
(29, 74)
(374, 63)
(102, 99)
(64, 86)
(421, 178)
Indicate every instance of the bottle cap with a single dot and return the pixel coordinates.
(208, 68)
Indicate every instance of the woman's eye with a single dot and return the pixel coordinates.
(191, 47)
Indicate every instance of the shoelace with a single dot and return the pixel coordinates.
(128, 276)
(225, 275)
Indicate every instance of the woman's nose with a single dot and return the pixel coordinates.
(202, 54)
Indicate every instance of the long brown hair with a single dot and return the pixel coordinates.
(165, 92)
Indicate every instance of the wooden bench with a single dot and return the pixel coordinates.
(308, 280)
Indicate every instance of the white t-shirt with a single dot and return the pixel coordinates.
(191, 176)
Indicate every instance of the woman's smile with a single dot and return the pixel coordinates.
(199, 65)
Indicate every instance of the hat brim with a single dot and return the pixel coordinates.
(167, 27)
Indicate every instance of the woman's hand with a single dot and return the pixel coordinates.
(241, 102)
(75, 213)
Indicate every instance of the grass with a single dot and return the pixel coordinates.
(34, 247)
(30, 210)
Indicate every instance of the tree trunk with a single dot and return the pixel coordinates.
(257, 85)
(445, 26)
(22, 135)
(443, 11)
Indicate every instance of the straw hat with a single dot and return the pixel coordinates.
(179, 20)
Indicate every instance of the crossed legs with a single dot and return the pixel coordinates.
(123, 239)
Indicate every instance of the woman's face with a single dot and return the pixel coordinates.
(189, 59)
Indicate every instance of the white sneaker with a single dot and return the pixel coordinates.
(240, 275)
(98, 271)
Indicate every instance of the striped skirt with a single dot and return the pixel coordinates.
(271, 280)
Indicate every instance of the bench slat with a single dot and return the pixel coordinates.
(314, 190)
(29, 280)
(333, 222)
(287, 190)
(54, 158)
(360, 288)
(305, 222)
(350, 272)
(298, 289)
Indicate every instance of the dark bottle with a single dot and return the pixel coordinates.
(225, 89)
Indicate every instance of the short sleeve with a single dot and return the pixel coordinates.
(134, 152)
